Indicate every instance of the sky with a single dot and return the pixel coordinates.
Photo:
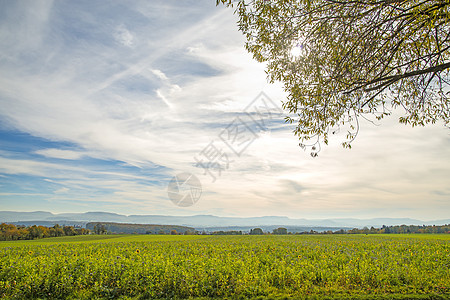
(103, 105)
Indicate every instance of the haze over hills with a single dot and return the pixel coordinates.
(207, 221)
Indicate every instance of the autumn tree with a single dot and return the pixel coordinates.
(56, 230)
(343, 60)
(100, 229)
(69, 230)
(280, 230)
(256, 231)
(35, 232)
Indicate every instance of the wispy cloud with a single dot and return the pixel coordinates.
(120, 98)
(59, 153)
(123, 36)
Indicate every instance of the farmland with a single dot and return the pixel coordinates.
(234, 267)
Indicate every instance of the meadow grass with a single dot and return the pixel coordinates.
(232, 267)
(99, 239)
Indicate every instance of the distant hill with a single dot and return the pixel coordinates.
(50, 223)
(270, 228)
(139, 228)
(206, 221)
(13, 216)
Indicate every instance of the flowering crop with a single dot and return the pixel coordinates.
(229, 266)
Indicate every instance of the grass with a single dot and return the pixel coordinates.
(445, 237)
(99, 239)
(231, 267)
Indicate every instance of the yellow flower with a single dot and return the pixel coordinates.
(138, 251)
(30, 252)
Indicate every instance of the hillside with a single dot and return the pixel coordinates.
(201, 222)
(138, 228)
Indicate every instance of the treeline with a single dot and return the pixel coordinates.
(397, 229)
(403, 229)
(231, 232)
(126, 228)
(11, 232)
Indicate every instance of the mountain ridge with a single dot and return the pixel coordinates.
(209, 220)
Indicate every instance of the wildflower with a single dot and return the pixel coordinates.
(138, 251)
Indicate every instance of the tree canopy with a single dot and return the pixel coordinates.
(342, 60)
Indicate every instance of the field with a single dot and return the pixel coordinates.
(233, 267)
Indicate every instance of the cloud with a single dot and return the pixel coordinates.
(59, 153)
(123, 36)
(166, 89)
(123, 98)
(160, 74)
(62, 190)
(291, 186)
(29, 33)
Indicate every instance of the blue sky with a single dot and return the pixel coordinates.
(102, 104)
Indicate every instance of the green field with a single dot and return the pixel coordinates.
(99, 239)
(233, 267)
